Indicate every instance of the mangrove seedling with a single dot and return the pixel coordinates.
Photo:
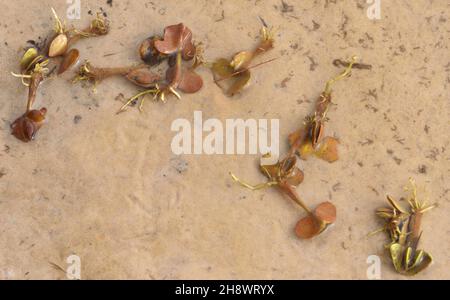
(139, 75)
(35, 64)
(25, 127)
(175, 46)
(64, 38)
(233, 75)
(402, 224)
(309, 139)
(286, 176)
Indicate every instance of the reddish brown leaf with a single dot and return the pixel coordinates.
(176, 38)
(190, 82)
(307, 227)
(326, 212)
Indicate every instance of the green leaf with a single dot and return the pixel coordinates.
(222, 68)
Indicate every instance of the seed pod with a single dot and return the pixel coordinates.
(58, 46)
(70, 58)
(148, 52)
(143, 77)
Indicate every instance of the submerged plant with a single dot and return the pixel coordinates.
(403, 227)
(287, 176)
(233, 75)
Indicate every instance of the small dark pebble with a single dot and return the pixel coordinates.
(77, 119)
(422, 169)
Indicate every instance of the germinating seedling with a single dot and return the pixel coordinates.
(234, 75)
(34, 67)
(403, 227)
(287, 176)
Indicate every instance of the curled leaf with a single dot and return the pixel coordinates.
(70, 58)
(176, 38)
(407, 260)
(421, 261)
(315, 134)
(26, 126)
